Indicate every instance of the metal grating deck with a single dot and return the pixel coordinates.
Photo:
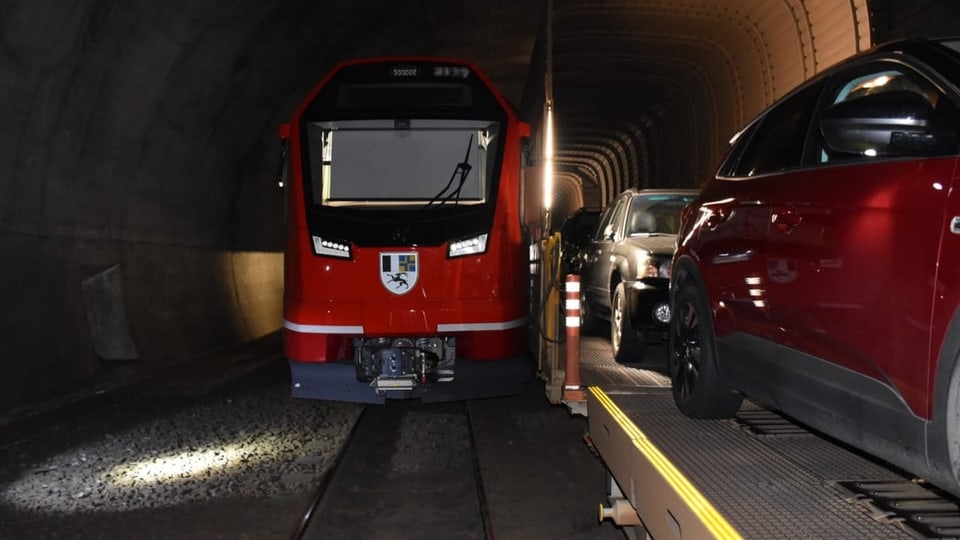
(763, 486)
(597, 367)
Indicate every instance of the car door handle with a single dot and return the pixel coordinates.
(785, 220)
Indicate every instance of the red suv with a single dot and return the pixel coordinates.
(818, 271)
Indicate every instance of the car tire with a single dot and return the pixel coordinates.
(627, 343)
(698, 390)
(951, 416)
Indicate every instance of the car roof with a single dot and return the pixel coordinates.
(944, 45)
(942, 54)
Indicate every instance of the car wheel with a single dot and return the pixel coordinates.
(951, 418)
(627, 343)
(697, 388)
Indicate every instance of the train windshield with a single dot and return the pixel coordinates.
(402, 162)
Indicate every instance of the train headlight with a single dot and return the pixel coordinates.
(331, 248)
(467, 246)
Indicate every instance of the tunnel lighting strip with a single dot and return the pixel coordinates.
(701, 507)
(548, 160)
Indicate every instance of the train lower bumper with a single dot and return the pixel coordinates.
(476, 340)
(473, 379)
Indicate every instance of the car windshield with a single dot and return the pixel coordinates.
(656, 214)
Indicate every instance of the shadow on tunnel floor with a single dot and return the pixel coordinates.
(187, 381)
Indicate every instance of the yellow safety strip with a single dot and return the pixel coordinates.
(708, 515)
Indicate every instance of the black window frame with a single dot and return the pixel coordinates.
(758, 135)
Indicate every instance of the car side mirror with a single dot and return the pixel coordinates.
(608, 232)
(898, 123)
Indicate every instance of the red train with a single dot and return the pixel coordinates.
(406, 268)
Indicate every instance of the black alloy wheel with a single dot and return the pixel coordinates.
(698, 390)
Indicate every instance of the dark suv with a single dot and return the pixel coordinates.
(626, 271)
(818, 272)
(576, 232)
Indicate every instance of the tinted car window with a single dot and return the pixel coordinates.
(604, 221)
(777, 143)
(611, 216)
(740, 142)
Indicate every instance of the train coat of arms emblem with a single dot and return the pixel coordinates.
(399, 271)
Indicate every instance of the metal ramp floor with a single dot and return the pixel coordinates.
(757, 476)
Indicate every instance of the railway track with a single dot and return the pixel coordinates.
(407, 470)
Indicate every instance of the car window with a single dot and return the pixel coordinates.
(617, 217)
(915, 111)
(739, 143)
(656, 214)
(777, 142)
(604, 221)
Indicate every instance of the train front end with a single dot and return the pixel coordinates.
(405, 269)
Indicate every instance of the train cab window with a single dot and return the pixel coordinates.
(402, 162)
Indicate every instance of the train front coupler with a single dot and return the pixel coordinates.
(403, 363)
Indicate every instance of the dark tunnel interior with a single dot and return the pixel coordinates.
(140, 219)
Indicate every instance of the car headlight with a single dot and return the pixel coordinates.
(330, 247)
(467, 246)
(652, 268)
(665, 268)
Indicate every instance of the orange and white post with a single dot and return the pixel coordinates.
(572, 391)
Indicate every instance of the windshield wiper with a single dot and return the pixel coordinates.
(463, 169)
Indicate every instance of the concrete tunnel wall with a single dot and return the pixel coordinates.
(140, 222)
(140, 226)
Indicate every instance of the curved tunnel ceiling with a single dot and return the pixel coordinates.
(647, 93)
(140, 224)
